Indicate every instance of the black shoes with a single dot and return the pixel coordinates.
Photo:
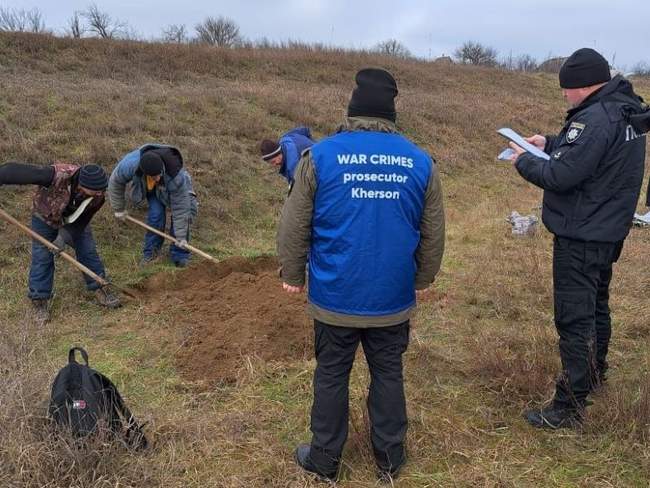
(387, 467)
(554, 417)
(106, 298)
(388, 475)
(303, 460)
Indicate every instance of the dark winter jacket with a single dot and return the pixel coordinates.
(593, 180)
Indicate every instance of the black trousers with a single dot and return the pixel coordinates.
(335, 350)
(582, 272)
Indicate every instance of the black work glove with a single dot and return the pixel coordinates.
(62, 239)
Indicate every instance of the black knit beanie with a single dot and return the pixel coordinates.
(583, 68)
(374, 95)
(269, 149)
(151, 163)
(93, 177)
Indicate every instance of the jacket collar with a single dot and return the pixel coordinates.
(617, 85)
(374, 124)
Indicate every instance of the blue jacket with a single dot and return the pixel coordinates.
(175, 192)
(593, 179)
(368, 205)
(293, 143)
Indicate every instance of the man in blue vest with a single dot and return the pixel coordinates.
(286, 153)
(156, 174)
(366, 211)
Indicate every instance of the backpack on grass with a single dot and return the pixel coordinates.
(83, 398)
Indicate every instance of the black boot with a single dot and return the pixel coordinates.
(41, 310)
(303, 460)
(387, 469)
(554, 417)
(387, 475)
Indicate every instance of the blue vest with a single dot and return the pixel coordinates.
(366, 222)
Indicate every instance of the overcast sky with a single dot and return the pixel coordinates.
(618, 29)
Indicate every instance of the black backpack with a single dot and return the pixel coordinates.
(82, 397)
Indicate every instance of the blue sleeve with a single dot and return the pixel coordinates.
(301, 131)
(120, 177)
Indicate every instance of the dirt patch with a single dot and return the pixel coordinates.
(227, 312)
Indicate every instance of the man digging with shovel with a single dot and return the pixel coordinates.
(156, 174)
(67, 198)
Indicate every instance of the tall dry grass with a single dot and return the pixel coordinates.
(483, 346)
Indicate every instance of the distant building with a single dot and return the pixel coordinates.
(443, 60)
(552, 65)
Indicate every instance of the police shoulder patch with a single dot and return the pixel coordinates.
(574, 132)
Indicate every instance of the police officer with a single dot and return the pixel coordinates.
(366, 210)
(591, 188)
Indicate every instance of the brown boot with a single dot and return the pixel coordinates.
(41, 310)
(106, 298)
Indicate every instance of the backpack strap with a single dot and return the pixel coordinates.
(134, 435)
(84, 355)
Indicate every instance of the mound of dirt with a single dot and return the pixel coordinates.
(228, 311)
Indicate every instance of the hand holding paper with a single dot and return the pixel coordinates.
(533, 148)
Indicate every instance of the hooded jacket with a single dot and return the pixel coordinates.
(293, 144)
(593, 180)
(174, 190)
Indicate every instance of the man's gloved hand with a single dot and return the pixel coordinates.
(121, 215)
(182, 243)
(62, 239)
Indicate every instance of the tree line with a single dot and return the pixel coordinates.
(224, 32)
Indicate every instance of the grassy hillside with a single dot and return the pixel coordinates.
(483, 346)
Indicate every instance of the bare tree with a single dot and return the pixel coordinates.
(175, 33)
(392, 47)
(35, 22)
(641, 69)
(12, 20)
(526, 63)
(477, 54)
(102, 24)
(264, 43)
(75, 28)
(129, 33)
(221, 32)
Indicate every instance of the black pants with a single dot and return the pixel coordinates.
(335, 351)
(582, 272)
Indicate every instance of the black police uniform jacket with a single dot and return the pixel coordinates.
(593, 180)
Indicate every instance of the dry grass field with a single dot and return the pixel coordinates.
(483, 346)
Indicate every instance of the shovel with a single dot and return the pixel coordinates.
(193, 249)
(55, 250)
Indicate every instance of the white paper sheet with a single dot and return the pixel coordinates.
(511, 135)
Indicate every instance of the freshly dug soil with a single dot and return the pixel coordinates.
(229, 311)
